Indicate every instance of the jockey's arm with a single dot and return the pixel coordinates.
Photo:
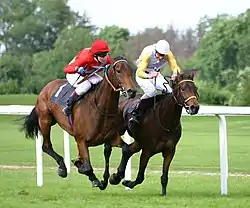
(144, 61)
(79, 61)
(172, 63)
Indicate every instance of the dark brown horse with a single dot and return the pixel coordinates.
(95, 119)
(159, 129)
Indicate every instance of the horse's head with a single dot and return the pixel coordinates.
(119, 76)
(185, 92)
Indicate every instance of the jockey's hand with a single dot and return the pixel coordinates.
(81, 71)
(153, 74)
(173, 77)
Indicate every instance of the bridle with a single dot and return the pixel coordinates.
(183, 102)
(120, 88)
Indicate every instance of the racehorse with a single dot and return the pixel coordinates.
(159, 129)
(93, 122)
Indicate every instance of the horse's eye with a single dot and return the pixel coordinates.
(118, 71)
(182, 89)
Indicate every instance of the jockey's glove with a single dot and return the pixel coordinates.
(173, 77)
(81, 71)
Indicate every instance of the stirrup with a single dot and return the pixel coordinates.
(134, 119)
(67, 110)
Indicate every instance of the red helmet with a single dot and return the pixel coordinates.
(99, 46)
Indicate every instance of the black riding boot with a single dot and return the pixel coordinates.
(70, 102)
(135, 115)
(137, 112)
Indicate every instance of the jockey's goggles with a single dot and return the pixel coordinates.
(102, 54)
(162, 55)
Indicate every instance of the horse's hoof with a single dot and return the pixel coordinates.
(62, 172)
(96, 183)
(128, 184)
(114, 179)
(103, 185)
(163, 192)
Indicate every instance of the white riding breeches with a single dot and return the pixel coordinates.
(150, 86)
(84, 86)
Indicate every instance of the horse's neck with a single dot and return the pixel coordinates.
(106, 98)
(170, 111)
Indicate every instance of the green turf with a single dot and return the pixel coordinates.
(18, 190)
(17, 99)
(198, 150)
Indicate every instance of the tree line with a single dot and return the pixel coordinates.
(38, 38)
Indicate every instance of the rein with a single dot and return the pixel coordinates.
(161, 125)
(178, 103)
(94, 104)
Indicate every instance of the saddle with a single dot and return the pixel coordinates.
(149, 103)
(64, 91)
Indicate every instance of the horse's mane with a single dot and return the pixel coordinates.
(117, 58)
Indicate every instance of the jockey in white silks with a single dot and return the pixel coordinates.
(148, 76)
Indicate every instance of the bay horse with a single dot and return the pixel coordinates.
(94, 119)
(159, 129)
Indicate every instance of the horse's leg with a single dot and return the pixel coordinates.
(45, 128)
(84, 166)
(127, 152)
(168, 155)
(144, 158)
(107, 153)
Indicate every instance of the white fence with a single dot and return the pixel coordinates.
(219, 111)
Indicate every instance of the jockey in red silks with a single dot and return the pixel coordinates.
(86, 63)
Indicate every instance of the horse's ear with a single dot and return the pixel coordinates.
(192, 75)
(178, 75)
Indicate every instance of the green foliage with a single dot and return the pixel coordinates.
(40, 37)
(116, 38)
(241, 96)
(211, 94)
(225, 46)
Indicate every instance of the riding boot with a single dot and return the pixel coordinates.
(137, 112)
(135, 115)
(70, 102)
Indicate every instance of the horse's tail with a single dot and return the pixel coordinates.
(31, 124)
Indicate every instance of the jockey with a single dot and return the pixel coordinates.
(83, 64)
(148, 77)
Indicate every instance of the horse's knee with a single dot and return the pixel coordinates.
(45, 148)
(85, 169)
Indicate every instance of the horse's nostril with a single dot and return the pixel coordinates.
(129, 91)
(194, 108)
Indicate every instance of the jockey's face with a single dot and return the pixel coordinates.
(159, 56)
(102, 57)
